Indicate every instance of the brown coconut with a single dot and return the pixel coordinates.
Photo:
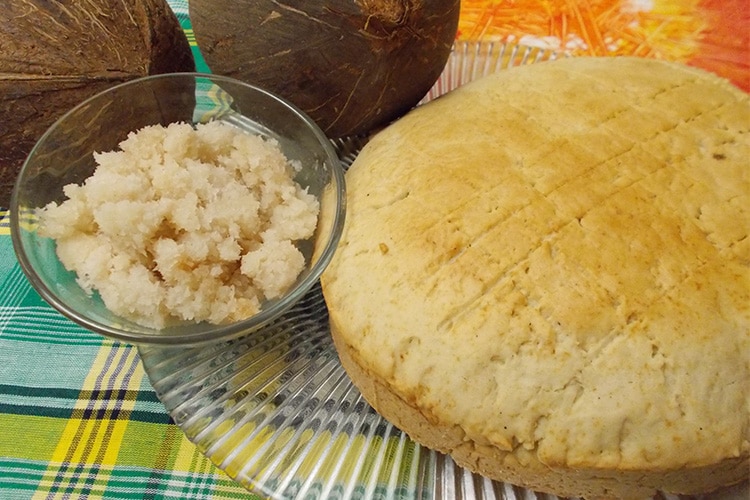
(352, 65)
(53, 55)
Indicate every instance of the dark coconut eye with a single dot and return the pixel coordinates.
(353, 66)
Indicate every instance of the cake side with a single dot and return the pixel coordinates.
(521, 467)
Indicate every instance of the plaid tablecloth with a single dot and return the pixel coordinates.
(78, 416)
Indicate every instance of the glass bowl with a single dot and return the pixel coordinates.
(64, 155)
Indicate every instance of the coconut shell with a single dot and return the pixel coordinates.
(54, 55)
(352, 65)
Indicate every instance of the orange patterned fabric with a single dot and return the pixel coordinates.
(712, 34)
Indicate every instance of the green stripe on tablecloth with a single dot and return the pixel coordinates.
(51, 401)
(28, 479)
(180, 8)
(63, 365)
(42, 324)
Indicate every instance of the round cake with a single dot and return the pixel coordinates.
(546, 274)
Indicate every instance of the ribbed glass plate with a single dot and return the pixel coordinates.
(276, 411)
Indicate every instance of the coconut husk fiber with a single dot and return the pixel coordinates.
(54, 55)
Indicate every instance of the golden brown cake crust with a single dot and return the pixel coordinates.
(545, 274)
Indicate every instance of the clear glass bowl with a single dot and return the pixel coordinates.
(64, 155)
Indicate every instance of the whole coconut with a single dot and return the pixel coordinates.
(55, 54)
(352, 65)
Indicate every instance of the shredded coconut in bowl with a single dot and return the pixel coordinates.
(185, 223)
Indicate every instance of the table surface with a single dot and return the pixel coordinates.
(78, 415)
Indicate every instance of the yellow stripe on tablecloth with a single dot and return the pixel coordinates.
(190, 35)
(112, 373)
(96, 440)
(4, 223)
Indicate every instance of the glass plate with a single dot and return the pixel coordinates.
(276, 411)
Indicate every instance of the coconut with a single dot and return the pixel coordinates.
(53, 55)
(351, 65)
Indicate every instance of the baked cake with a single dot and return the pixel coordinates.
(545, 274)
